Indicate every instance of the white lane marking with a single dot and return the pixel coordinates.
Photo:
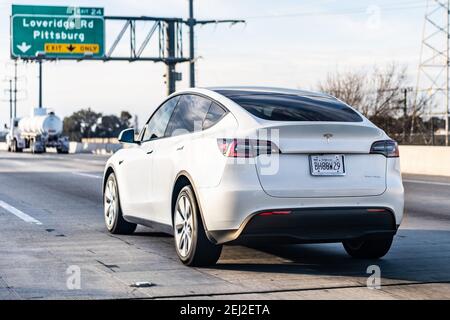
(19, 213)
(18, 163)
(87, 175)
(427, 182)
(90, 161)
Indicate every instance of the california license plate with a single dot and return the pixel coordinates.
(327, 165)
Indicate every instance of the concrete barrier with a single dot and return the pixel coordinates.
(428, 160)
(97, 148)
(80, 147)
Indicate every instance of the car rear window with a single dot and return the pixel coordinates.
(291, 107)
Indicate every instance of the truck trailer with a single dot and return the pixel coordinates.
(38, 132)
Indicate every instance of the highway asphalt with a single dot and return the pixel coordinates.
(53, 245)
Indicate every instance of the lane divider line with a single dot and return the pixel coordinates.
(19, 213)
(87, 175)
(427, 182)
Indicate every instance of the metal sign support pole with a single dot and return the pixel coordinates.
(170, 54)
(191, 23)
(40, 83)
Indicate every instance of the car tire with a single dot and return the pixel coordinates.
(15, 147)
(33, 147)
(191, 243)
(115, 223)
(368, 249)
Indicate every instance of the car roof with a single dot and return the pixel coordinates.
(238, 90)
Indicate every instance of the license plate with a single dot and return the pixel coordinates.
(327, 165)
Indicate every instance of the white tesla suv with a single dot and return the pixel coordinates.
(243, 164)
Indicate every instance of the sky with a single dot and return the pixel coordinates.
(283, 43)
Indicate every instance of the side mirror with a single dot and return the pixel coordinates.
(127, 136)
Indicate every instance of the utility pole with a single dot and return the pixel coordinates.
(434, 73)
(12, 91)
(405, 112)
(191, 23)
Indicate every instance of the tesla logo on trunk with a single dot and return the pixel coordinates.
(328, 136)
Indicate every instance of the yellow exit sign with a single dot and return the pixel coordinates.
(76, 48)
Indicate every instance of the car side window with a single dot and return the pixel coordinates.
(213, 116)
(188, 116)
(157, 124)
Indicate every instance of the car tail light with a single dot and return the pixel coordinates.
(275, 213)
(388, 148)
(246, 148)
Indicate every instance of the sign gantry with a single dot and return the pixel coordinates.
(78, 33)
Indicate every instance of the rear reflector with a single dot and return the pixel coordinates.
(275, 213)
(376, 210)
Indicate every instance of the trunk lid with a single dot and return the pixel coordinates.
(289, 174)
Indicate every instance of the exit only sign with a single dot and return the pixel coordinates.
(70, 32)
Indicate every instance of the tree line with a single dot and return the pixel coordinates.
(384, 96)
(87, 123)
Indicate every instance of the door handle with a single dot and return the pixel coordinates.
(150, 152)
(180, 148)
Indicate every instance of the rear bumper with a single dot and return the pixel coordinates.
(313, 225)
(228, 207)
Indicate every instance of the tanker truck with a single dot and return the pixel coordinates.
(38, 132)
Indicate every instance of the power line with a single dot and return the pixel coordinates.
(356, 11)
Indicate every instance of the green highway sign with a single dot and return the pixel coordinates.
(56, 31)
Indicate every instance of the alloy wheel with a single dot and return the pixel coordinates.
(184, 225)
(110, 205)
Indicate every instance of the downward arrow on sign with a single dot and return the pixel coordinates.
(24, 47)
